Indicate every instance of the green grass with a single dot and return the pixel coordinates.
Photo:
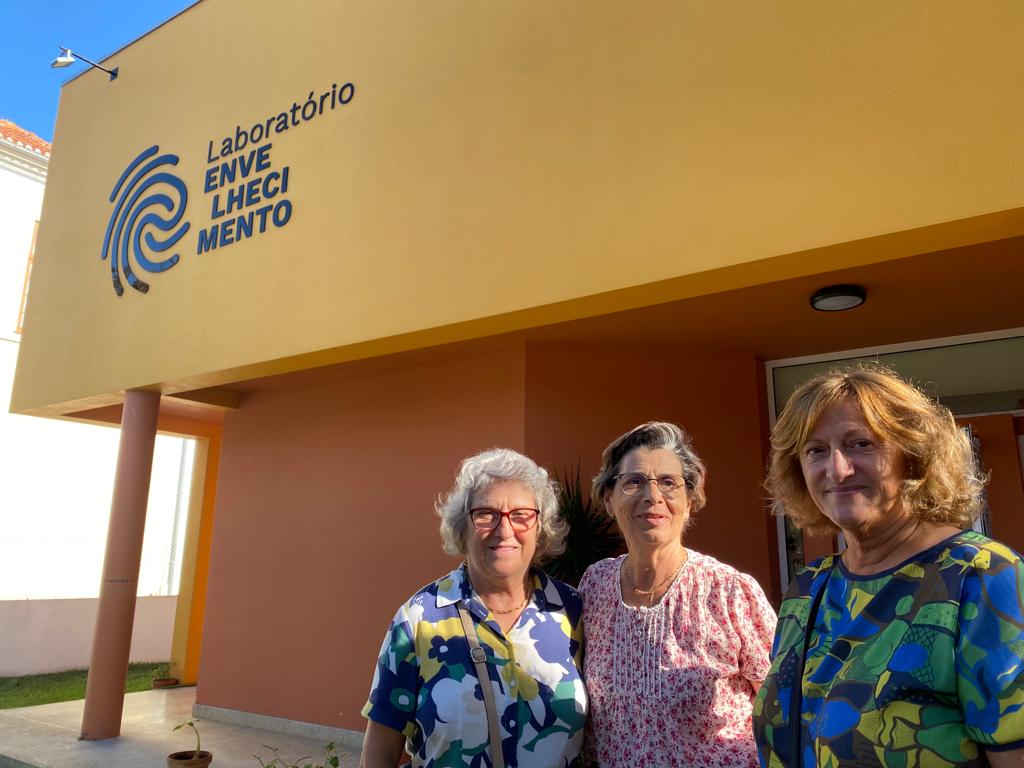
(29, 690)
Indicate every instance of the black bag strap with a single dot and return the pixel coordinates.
(796, 690)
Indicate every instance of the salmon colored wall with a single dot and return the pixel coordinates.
(819, 545)
(325, 525)
(999, 455)
(579, 399)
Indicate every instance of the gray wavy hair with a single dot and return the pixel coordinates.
(476, 473)
(652, 436)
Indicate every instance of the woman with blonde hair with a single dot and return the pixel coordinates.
(908, 647)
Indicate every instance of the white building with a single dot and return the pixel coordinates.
(56, 479)
(23, 161)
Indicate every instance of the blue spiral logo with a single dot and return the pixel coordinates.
(150, 203)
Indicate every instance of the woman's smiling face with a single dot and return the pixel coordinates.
(852, 474)
(502, 554)
(649, 517)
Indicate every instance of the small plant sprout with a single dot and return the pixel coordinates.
(195, 730)
(330, 759)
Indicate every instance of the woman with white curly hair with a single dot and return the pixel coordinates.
(496, 618)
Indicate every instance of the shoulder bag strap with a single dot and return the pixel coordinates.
(796, 690)
(479, 656)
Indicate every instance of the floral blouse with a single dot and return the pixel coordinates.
(425, 684)
(673, 684)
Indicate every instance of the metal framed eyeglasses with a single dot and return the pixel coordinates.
(631, 483)
(486, 518)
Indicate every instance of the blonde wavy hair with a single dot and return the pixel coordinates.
(942, 485)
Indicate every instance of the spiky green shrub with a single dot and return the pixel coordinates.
(592, 536)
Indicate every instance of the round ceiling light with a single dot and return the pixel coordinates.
(836, 298)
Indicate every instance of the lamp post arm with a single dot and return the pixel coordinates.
(111, 72)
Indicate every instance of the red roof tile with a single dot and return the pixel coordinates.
(18, 135)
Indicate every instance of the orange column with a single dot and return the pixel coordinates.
(112, 640)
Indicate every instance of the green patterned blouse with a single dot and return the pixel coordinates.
(917, 667)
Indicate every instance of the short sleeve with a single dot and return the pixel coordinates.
(586, 579)
(990, 649)
(395, 685)
(754, 620)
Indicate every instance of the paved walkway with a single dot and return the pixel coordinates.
(47, 737)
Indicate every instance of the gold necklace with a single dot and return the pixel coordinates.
(509, 610)
(526, 598)
(656, 587)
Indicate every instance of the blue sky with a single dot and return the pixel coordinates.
(32, 30)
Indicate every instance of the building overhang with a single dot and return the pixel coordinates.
(500, 174)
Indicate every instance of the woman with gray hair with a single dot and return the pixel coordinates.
(677, 642)
(497, 618)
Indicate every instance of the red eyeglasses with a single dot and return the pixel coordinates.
(486, 518)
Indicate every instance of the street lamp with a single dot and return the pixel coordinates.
(67, 58)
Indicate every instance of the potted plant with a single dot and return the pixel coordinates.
(592, 535)
(193, 758)
(162, 677)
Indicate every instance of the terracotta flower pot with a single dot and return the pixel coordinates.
(189, 759)
(164, 682)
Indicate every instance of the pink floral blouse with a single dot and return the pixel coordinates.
(671, 685)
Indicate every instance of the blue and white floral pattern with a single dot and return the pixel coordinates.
(425, 684)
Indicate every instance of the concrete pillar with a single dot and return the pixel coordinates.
(112, 640)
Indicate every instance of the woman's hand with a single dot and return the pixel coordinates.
(383, 747)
